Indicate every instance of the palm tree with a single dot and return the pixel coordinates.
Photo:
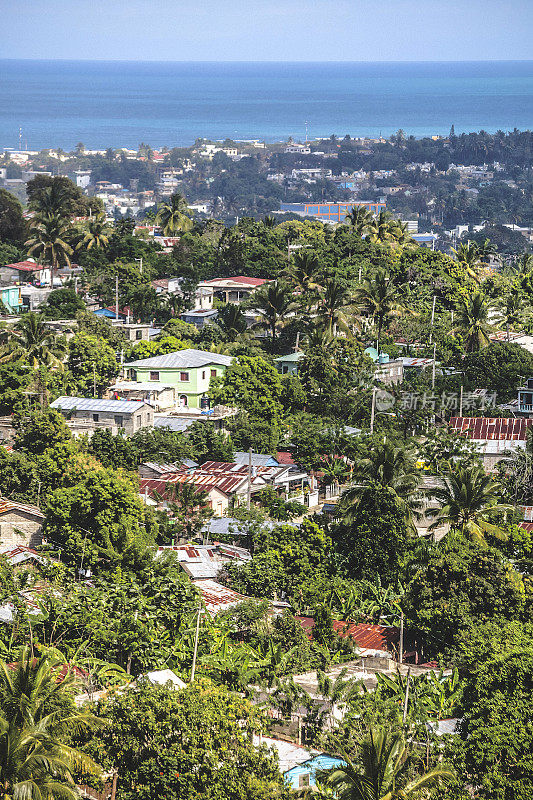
(473, 323)
(401, 235)
(511, 313)
(304, 272)
(485, 250)
(269, 221)
(468, 256)
(231, 321)
(35, 687)
(52, 201)
(381, 771)
(466, 499)
(172, 216)
(34, 340)
(35, 764)
(334, 309)
(49, 241)
(379, 297)
(392, 467)
(96, 235)
(381, 228)
(317, 336)
(334, 471)
(524, 264)
(273, 303)
(360, 220)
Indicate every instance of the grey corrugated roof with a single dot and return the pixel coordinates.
(182, 359)
(177, 424)
(93, 404)
(258, 460)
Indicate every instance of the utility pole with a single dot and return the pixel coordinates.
(373, 411)
(432, 319)
(116, 298)
(461, 401)
(401, 639)
(433, 367)
(249, 489)
(196, 641)
(406, 701)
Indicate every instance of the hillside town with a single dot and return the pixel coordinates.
(442, 187)
(266, 470)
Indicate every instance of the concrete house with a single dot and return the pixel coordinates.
(25, 272)
(234, 289)
(87, 414)
(20, 525)
(495, 437)
(187, 372)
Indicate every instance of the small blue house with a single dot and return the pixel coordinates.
(305, 774)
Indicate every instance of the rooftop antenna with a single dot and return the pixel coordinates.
(306, 126)
(20, 139)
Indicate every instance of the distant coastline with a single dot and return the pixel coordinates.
(119, 104)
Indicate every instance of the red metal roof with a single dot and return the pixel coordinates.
(67, 668)
(285, 458)
(25, 266)
(487, 428)
(201, 483)
(369, 637)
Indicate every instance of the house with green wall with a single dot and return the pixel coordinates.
(288, 365)
(11, 298)
(183, 376)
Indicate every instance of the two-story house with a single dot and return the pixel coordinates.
(87, 414)
(187, 373)
(525, 398)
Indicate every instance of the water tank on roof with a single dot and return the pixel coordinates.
(383, 358)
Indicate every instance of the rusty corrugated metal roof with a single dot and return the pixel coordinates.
(506, 429)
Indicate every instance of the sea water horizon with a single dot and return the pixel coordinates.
(48, 104)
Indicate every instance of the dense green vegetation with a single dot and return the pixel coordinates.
(105, 605)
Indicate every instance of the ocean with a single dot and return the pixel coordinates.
(120, 104)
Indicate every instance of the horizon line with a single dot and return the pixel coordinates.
(275, 61)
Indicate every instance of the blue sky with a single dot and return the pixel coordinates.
(270, 30)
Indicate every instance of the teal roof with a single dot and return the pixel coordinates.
(372, 352)
(292, 357)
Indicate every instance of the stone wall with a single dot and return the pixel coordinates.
(20, 528)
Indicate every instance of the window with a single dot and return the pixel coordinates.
(154, 376)
(96, 417)
(138, 420)
(213, 373)
(138, 334)
(184, 376)
(203, 374)
(303, 780)
(119, 421)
